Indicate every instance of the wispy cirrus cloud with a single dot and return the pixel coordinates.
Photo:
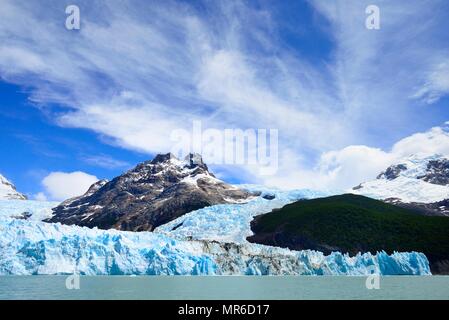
(437, 84)
(138, 70)
(105, 161)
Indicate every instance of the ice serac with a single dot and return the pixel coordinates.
(34, 247)
(151, 194)
(418, 181)
(8, 190)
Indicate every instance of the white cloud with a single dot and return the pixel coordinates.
(434, 141)
(133, 76)
(105, 161)
(62, 185)
(345, 168)
(40, 196)
(352, 165)
(336, 170)
(378, 72)
(436, 85)
(136, 75)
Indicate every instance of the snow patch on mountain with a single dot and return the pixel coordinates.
(403, 188)
(8, 190)
(418, 178)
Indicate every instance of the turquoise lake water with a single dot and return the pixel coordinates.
(223, 288)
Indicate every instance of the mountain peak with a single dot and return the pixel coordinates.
(418, 178)
(430, 168)
(193, 160)
(160, 158)
(8, 190)
(190, 161)
(153, 193)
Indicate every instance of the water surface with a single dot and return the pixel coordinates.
(222, 287)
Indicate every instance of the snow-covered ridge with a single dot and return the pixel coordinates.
(418, 178)
(8, 190)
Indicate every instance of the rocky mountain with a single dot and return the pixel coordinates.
(8, 190)
(417, 182)
(153, 193)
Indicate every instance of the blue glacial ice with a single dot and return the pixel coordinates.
(31, 247)
(34, 247)
(231, 222)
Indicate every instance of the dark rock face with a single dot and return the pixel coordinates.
(269, 196)
(153, 193)
(440, 208)
(23, 216)
(437, 172)
(392, 172)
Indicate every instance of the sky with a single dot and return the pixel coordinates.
(347, 101)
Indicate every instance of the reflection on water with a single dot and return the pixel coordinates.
(178, 287)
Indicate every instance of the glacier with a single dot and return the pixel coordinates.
(231, 222)
(30, 247)
(33, 247)
(33, 210)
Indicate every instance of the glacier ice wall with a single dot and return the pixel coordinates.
(33, 247)
(29, 246)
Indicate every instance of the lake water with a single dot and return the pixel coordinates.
(218, 288)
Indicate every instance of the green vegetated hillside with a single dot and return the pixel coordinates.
(352, 223)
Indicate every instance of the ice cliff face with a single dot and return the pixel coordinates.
(30, 246)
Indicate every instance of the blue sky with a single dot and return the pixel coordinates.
(347, 101)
